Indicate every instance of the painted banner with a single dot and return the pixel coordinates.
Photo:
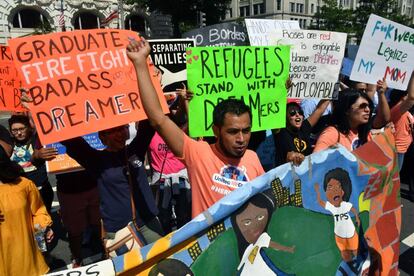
(224, 34)
(168, 55)
(80, 82)
(63, 163)
(338, 213)
(256, 75)
(259, 30)
(315, 63)
(386, 51)
(10, 83)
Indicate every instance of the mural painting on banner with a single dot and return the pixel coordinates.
(256, 75)
(352, 213)
(259, 30)
(386, 51)
(224, 34)
(63, 163)
(315, 63)
(169, 57)
(80, 82)
(10, 82)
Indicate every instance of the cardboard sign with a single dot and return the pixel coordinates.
(168, 55)
(80, 82)
(386, 51)
(103, 268)
(316, 59)
(256, 75)
(10, 83)
(224, 34)
(63, 163)
(298, 232)
(259, 29)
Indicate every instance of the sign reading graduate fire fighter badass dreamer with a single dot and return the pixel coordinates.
(386, 51)
(257, 75)
(80, 82)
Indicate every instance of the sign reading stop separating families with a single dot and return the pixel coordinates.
(386, 51)
(10, 83)
(316, 59)
(80, 82)
(256, 75)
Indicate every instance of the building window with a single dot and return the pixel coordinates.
(244, 11)
(86, 21)
(230, 12)
(304, 23)
(278, 5)
(292, 7)
(135, 23)
(312, 8)
(258, 8)
(28, 18)
(299, 8)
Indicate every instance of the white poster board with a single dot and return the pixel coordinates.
(103, 268)
(386, 51)
(315, 62)
(259, 29)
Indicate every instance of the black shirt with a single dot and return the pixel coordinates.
(287, 140)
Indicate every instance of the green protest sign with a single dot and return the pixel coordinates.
(257, 75)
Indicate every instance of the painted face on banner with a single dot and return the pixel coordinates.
(334, 192)
(234, 136)
(252, 222)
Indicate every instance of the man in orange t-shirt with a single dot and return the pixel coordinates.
(214, 170)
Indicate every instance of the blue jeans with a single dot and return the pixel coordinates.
(400, 160)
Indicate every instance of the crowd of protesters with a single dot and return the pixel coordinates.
(184, 180)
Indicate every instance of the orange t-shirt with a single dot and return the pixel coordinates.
(329, 137)
(403, 136)
(212, 175)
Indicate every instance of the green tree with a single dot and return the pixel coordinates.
(332, 17)
(185, 12)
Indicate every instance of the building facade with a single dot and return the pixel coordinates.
(25, 17)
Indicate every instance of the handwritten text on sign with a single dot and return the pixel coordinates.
(316, 58)
(256, 75)
(259, 29)
(9, 82)
(386, 51)
(81, 82)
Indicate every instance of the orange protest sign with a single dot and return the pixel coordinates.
(80, 82)
(9, 82)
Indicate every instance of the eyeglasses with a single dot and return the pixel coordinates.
(17, 130)
(363, 106)
(293, 112)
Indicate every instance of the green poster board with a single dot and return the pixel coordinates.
(257, 75)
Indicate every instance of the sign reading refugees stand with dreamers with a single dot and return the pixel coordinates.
(257, 75)
(386, 51)
(315, 63)
(80, 82)
(10, 83)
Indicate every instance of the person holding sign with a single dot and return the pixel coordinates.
(214, 170)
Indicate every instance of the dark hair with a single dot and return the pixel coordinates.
(10, 171)
(234, 106)
(343, 177)
(261, 200)
(170, 267)
(341, 107)
(395, 96)
(22, 119)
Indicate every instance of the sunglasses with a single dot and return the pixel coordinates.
(295, 111)
(363, 106)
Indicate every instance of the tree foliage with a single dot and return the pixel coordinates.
(332, 17)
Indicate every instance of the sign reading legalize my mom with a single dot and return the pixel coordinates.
(257, 75)
(80, 82)
(386, 51)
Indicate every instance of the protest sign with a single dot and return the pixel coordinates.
(287, 200)
(256, 75)
(63, 163)
(80, 82)
(315, 63)
(347, 66)
(102, 268)
(224, 34)
(10, 83)
(259, 29)
(386, 51)
(168, 55)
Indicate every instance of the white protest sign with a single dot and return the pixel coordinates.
(259, 29)
(315, 62)
(386, 51)
(104, 268)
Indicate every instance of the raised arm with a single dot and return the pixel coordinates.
(317, 113)
(409, 101)
(168, 130)
(383, 110)
(318, 196)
